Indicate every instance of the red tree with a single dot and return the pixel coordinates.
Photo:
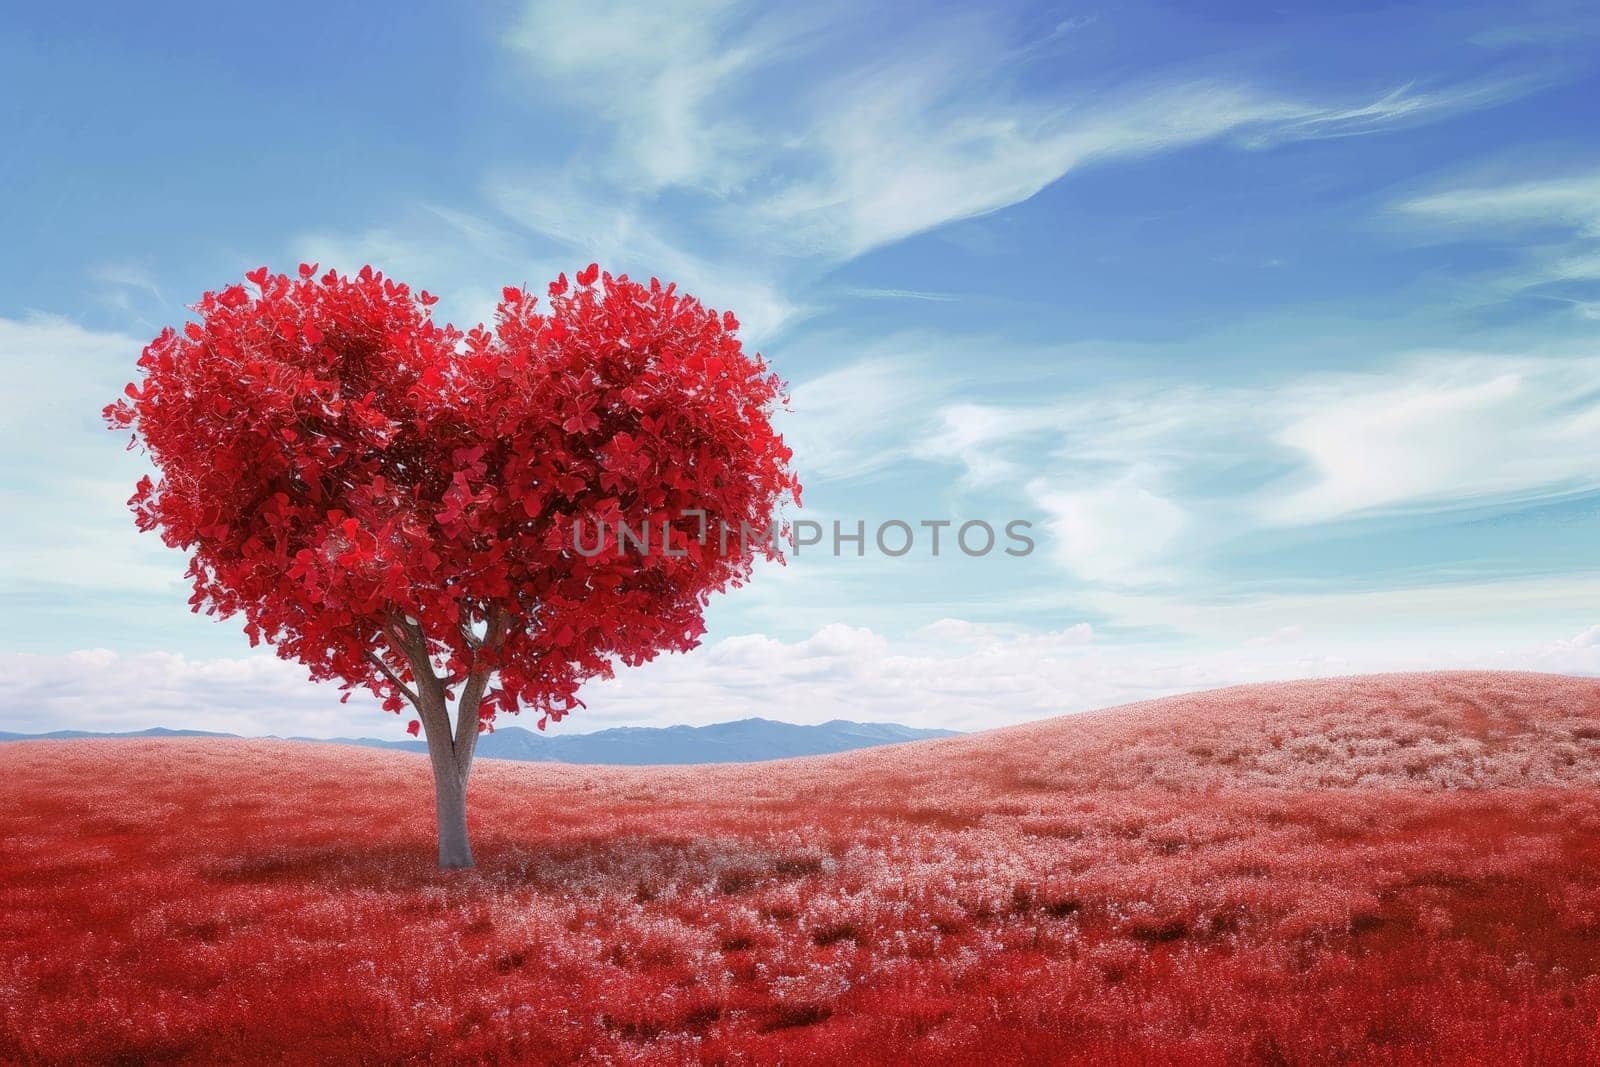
(394, 503)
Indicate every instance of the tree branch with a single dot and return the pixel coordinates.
(466, 736)
(472, 639)
(395, 679)
(408, 642)
(411, 644)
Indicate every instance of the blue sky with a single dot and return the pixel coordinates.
(1281, 327)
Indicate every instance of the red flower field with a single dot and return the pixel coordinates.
(1395, 869)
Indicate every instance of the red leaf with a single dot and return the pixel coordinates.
(413, 727)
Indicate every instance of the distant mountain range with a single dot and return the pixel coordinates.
(743, 741)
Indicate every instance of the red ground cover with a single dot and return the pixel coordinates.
(1396, 869)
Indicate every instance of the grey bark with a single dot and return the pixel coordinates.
(450, 749)
(450, 800)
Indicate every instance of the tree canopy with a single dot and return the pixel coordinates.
(382, 497)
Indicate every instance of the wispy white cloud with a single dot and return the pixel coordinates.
(858, 150)
(1569, 201)
(905, 147)
(902, 149)
(660, 75)
(1117, 530)
(1425, 431)
(566, 210)
(1551, 223)
(1448, 430)
(982, 438)
(857, 418)
(122, 283)
(691, 165)
(1103, 467)
(865, 293)
(1402, 106)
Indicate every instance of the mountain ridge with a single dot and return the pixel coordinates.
(748, 740)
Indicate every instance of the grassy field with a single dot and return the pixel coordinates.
(1395, 869)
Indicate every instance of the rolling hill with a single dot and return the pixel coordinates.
(1393, 869)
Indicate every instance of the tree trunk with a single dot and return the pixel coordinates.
(450, 804)
(452, 763)
(449, 749)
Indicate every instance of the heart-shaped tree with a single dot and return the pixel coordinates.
(397, 505)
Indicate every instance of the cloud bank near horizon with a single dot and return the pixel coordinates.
(952, 674)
